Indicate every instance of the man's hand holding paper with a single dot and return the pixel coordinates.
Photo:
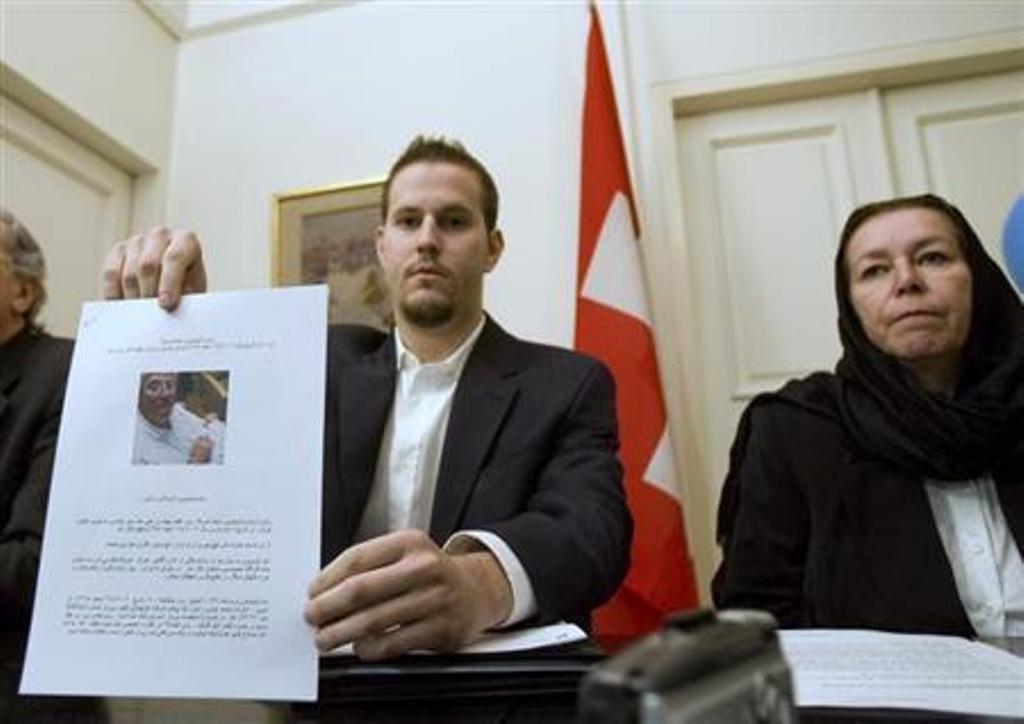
(400, 592)
(163, 263)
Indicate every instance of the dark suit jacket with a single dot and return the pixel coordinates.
(825, 536)
(530, 454)
(33, 370)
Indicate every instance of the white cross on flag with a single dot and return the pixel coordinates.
(613, 324)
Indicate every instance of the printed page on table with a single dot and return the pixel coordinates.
(882, 670)
(184, 518)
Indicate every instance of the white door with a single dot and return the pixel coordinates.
(765, 191)
(965, 141)
(73, 201)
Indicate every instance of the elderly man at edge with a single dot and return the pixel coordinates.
(470, 478)
(33, 371)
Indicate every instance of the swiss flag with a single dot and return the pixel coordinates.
(613, 323)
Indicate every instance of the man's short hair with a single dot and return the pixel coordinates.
(27, 260)
(438, 149)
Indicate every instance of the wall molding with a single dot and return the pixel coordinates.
(888, 67)
(59, 114)
(263, 17)
(168, 21)
(183, 31)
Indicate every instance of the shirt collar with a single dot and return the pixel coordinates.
(406, 360)
(154, 430)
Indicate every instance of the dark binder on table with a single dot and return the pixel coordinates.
(549, 671)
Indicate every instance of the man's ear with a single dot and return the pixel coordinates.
(378, 243)
(495, 246)
(25, 297)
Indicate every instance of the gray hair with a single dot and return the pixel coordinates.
(26, 259)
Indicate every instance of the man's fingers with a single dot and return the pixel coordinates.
(149, 256)
(367, 556)
(388, 584)
(359, 592)
(195, 279)
(141, 264)
(161, 263)
(425, 634)
(130, 268)
(404, 611)
(182, 270)
(110, 274)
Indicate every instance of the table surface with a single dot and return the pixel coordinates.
(532, 708)
(562, 708)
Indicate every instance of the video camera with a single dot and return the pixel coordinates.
(724, 668)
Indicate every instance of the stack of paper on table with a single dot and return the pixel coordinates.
(853, 668)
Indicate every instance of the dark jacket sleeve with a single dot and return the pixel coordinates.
(21, 538)
(765, 553)
(574, 531)
(26, 470)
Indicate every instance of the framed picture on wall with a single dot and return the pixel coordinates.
(326, 236)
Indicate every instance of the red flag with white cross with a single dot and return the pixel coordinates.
(613, 323)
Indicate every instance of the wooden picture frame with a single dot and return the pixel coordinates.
(326, 235)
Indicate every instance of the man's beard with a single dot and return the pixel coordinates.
(428, 313)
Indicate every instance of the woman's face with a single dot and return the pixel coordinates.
(911, 288)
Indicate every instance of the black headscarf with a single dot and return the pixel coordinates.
(886, 411)
(879, 402)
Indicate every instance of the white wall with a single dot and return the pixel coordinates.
(334, 96)
(688, 38)
(205, 13)
(314, 98)
(110, 62)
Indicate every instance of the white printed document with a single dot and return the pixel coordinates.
(526, 639)
(184, 518)
(844, 668)
(504, 642)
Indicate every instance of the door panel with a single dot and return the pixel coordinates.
(965, 141)
(765, 191)
(73, 201)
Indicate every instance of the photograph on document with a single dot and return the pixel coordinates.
(181, 418)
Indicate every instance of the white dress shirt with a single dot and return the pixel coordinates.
(410, 457)
(155, 445)
(986, 563)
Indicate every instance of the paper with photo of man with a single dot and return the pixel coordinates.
(184, 517)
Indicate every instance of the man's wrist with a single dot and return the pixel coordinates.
(493, 588)
(524, 602)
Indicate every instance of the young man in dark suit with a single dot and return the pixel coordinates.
(471, 479)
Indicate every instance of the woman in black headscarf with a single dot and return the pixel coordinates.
(890, 494)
